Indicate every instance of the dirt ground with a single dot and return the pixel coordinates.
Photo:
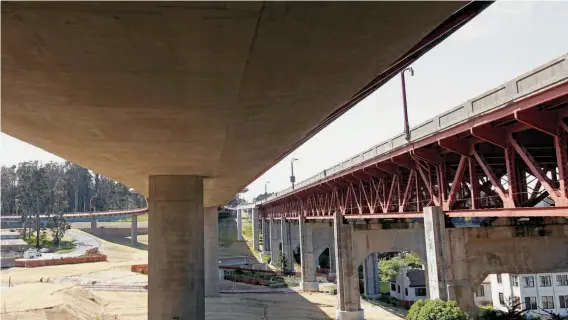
(62, 298)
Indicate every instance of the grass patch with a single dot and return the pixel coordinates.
(46, 241)
(265, 258)
(247, 230)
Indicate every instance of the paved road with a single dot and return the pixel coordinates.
(83, 241)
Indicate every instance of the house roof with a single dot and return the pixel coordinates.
(415, 276)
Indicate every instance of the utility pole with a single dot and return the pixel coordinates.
(292, 177)
(265, 187)
(406, 126)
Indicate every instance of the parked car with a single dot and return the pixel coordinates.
(31, 253)
(44, 250)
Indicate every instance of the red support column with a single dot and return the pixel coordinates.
(507, 203)
(455, 184)
(561, 146)
(511, 173)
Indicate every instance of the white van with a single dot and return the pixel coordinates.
(31, 253)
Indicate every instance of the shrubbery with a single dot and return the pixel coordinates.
(436, 310)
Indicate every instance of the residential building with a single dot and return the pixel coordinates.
(408, 285)
(548, 291)
(483, 295)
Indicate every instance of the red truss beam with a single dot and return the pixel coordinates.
(456, 183)
(561, 146)
(494, 135)
(539, 120)
(452, 143)
(507, 202)
(535, 169)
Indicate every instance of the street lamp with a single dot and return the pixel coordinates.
(292, 177)
(406, 127)
(265, 187)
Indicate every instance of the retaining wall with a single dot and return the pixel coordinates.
(112, 232)
(32, 263)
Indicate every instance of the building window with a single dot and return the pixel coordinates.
(398, 289)
(406, 291)
(547, 302)
(545, 281)
(563, 301)
(515, 281)
(501, 298)
(562, 279)
(499, 278)
(528, 282)
(480, 292)
(421, 292)
(530, 303)
(393, 287)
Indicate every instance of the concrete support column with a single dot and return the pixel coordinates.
(348, 298)
(134, 230)
(175, 258)
(93, 222)
(274, 241)
(332, 263)
(446, 262)
(287, 249)
(309, 281)
(239, 225)
(265, 236)
(371, 275)
(255, 230)
(211, 239)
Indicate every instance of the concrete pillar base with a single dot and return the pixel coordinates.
(309, 286)
(333, 274)
(350, 315)
(266, 252)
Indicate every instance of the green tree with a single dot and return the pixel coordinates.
(391, 267)
(436, 310)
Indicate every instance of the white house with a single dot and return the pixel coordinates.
(408, 285)
(483, 295)
(548, 291)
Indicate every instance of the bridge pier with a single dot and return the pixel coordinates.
(239, 225)
(287, 250)
(134, 230)
(255, 230)
(332, 263)
(93, 222)
(348, 297)
(176, 287)
(309, 281)
(265, 236)
(211, 255)
(447, 268)
(371, 275)
(274, 242)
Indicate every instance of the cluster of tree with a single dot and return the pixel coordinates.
(32, 188)
(392, 262)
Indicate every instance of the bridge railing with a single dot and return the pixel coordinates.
(545, 76)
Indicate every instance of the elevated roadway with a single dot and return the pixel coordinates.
(502, 153)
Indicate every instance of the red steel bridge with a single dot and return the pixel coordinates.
(501, 154)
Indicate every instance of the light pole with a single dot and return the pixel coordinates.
(292, 177)
(265, 187)
(406, 127)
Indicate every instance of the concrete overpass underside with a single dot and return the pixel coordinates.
(211, 89)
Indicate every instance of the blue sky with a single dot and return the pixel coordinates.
(506, 40)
